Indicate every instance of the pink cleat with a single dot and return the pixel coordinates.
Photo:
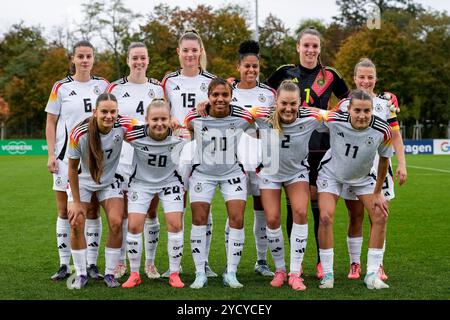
(279, 278)
(133, 280)
(319, 273)
(175, 281)
(381, 273)
(296, 282)
(355, 271)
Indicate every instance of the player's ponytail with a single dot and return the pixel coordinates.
(95, 152)
(286, 85)
(193, 34)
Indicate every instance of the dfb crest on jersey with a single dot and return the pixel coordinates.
(134, 196)
(265, 180)
(321, 82)
(58, 181)
(301, 127)
(198, 187)
(97, 90)
(369, 141)
(151, 93)
(378, 107)
(261, 98)
(203, 87)
(171, 147)
(323, 183)
(117, 138)
(232, 128)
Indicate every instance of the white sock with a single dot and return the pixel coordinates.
(276, 245)
(209, 229)
(384, 249)
(299, 238)
(326, 258)
(79, 261)
(259, 230)
(354, 249)
(175, 250)
(151, 237)
(123, 249)
(134, 249)
(235, 248)
(63, 240)
(111, 259)
(227, 234)
(198, 247)
(374, 260)
(93, 231)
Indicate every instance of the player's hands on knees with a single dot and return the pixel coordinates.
(201, 108)
(401, 174)
(74, 211)
(380, 203)
(52, 164)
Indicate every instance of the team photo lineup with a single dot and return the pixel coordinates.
(137, 143)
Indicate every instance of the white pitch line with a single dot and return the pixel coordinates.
(431, 169)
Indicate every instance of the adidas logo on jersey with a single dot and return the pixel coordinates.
(73, 93)
(126, 95)
(234, 99)
(177, 199)
(144, 149)
(176, 88)
(302, 176)
(238, 189)
(340, 134)
(205, 129)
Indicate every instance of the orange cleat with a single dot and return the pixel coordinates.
(279, 278)
(175, 281)
(133, 280)
(355, 271)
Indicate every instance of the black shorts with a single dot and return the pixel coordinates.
(314, 158)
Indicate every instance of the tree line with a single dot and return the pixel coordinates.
(411, 50)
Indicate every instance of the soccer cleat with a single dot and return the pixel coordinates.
(120, 270)
(230, 280)
(167, 273)
(262, 268)
(151, 271)
(208, 271)
(296, 282)
(355, 271)
(373, 281)
(382, 274)
(79, 282)
(327, 281)
(279, 278)
(62, 273)
(319, 273)
(110, 281)
(133, 280)
(93, 273)
(200, 281)
(175, 281)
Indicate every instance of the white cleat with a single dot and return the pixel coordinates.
(327, 281)
(230, 280)
(151, 271)
(373, 281)
(200, 281)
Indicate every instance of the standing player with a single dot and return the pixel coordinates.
(248, 92)
(217, 136)
(185, 88)
(155, 163)
(356, 138)
(285, 132)
(96, 142)
(365, 78)
(317, 83)
(70, 102)
(134, 93)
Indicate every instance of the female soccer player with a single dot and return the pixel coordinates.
(317, 83)
(134, 93)
(155, 163)
(365, 78)
(217, 136)
(96, 142)
(356, 138)
(248, 92)
(285, 132)
(70, 102)
(185, 88)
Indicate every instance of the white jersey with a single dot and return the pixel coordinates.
(155, 163)
(72, 101)
(261, 95)
(111, 146)
(350, 157)
(133, 100)
(285, 154)
(217, 138)
(184, 93)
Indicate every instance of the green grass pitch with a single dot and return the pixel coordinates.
(417, 258)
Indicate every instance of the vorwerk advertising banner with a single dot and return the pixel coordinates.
(23, 147)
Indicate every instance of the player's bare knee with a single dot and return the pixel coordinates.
(115, 225)
(236, 222)
(273, 223)
(326, 218)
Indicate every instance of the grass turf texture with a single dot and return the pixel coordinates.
(416, 260)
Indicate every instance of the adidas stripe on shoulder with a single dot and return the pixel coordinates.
(240, 112)
(207, 74)
(382, 126)
(285, 66)
(336, 116)
(334, 70)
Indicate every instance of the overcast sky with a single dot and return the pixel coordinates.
(49, 13)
